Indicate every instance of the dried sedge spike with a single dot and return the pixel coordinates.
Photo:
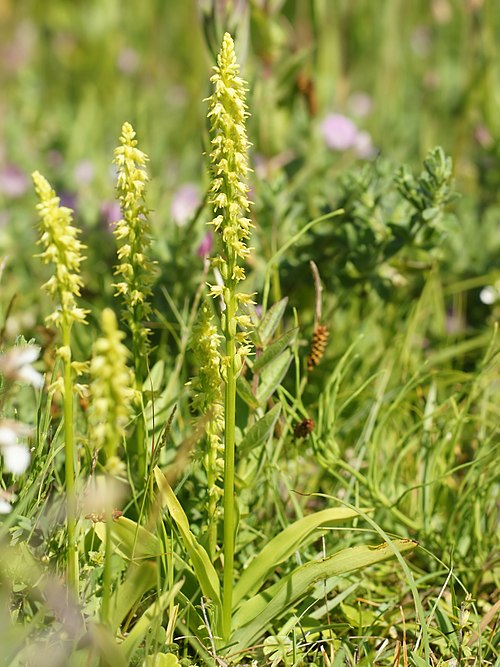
(304, 428)
(318, 345)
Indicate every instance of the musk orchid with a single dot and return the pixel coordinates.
(228, 196)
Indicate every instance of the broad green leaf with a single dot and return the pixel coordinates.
(202, 565)
(154, 611)
(274, 350)
(283, 546)
(271, 320)
(416, 661)
(252, 618)
(131, 541)
(261, 430)
(138, 580)
(272, 375)
(245, 392)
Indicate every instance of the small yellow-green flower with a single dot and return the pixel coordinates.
(63, 249)
(110, 390)
(135, 269)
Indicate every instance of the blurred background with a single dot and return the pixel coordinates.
(333, 84)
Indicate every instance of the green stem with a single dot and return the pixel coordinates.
(69, 450)
(213, 498)
(141, 453)
(229, 513)
(106, 579)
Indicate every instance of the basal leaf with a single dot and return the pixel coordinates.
(283, 546)
(252, 618)
(155, 378)
(111, 654)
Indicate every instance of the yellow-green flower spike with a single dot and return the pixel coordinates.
(229, 189)
(205, 343)
(228, 195)
(208, 400)
(110, 390)
(63, 249)
(135, 269)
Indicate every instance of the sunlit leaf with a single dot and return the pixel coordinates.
(202, 565)
(252, 618)
(283, 546)
(131, 540)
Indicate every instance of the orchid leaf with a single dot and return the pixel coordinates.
(254, 615)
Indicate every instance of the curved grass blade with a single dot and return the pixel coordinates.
(202, 565)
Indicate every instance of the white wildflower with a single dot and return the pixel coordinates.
(16, 458)
(8, 436)
(490, 294)
(5, 507)
(15, 364)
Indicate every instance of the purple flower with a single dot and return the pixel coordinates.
(13, 181)
(185, 201)
(205, 247)
(339, 132)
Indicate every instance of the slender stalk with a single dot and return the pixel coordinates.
(69, 449)
(140, 426)
(107, 578)
(229, 513)
(212, 504)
